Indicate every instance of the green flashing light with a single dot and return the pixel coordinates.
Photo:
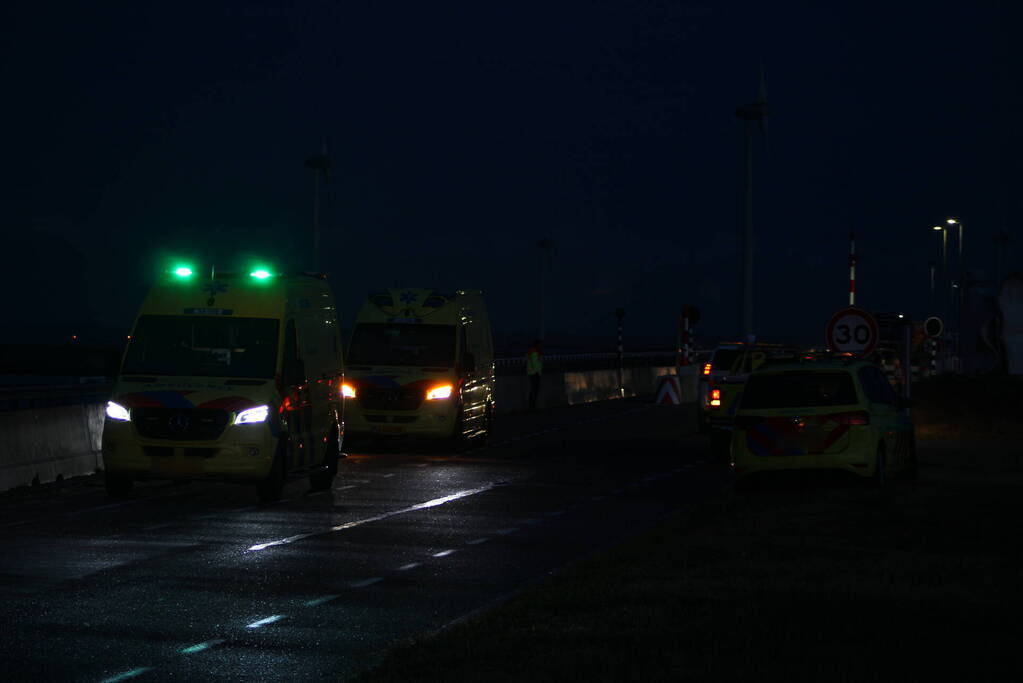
(183, 271)
(260, 274)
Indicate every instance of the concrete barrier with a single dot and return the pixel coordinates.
(44, 444)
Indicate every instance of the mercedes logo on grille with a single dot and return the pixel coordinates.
(178, 423)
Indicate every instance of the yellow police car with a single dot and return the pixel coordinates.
(827, 414)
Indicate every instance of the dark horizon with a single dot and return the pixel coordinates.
(459, 138)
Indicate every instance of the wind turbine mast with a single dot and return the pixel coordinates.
(751, 114)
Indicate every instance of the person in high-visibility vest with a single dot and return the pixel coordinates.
(534, 368)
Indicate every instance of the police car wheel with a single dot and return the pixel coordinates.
(322, 481)
(911, 463)
(117, 485)
(880, 479)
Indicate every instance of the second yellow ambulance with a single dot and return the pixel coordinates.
(421, 363)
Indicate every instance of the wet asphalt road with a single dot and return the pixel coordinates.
(197, 582)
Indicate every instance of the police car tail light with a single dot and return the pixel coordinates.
(117, 412)
(438, 393)
(706, 368)
(855, 418)
(715, 398)
(347, 390)
(252, 415)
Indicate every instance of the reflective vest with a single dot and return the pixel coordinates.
(534, 365)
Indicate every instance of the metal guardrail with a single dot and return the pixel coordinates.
(580, 362)
(44, 396)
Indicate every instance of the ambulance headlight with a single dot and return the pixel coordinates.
(438, 393)
(252, 415)
(117, 412)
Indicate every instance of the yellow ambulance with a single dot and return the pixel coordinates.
(232, 377)
(421, 364)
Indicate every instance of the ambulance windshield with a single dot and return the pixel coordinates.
(403, 344)
(202, 346)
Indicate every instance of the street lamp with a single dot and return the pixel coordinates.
(962, 293)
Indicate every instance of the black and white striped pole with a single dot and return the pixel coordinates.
(933, 327)
(620, 313)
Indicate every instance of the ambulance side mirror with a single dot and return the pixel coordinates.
(294, 373)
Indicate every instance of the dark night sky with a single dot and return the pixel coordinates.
(460, 134)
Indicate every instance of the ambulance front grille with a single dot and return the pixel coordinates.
(372, 398)
(196, 424)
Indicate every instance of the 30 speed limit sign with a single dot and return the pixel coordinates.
(852, 330)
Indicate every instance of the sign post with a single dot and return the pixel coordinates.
(852, 330)
(933, 327)
(620, 314)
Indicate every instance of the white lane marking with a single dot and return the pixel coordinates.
(320, 601)
(406, 567)
(199, 647)
(127, 674)
(477, 541)
(376, 518)
(444, 553)
(263, 622)
(386, 476)
(555, 513)
(358, 481)
(505, 532)
(366, 582)
(343, 488)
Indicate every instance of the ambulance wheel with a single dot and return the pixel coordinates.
(456, 442)
(272, 488)
(489, 423)
(118, 485)
(322, 480)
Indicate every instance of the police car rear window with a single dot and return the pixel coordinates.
(799, 390)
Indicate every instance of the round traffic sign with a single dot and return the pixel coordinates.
(933, 326)
(852, 330)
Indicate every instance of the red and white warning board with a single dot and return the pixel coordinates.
(852, 330)
(669, 391)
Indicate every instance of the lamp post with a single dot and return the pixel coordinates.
(961, 299)
(545, 246)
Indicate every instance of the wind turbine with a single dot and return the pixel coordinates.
(320, 165)
(753, 115)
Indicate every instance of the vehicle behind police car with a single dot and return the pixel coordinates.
(235, 377)
(829, 414)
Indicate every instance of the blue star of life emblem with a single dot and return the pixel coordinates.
(214, 287)
(409, 297)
